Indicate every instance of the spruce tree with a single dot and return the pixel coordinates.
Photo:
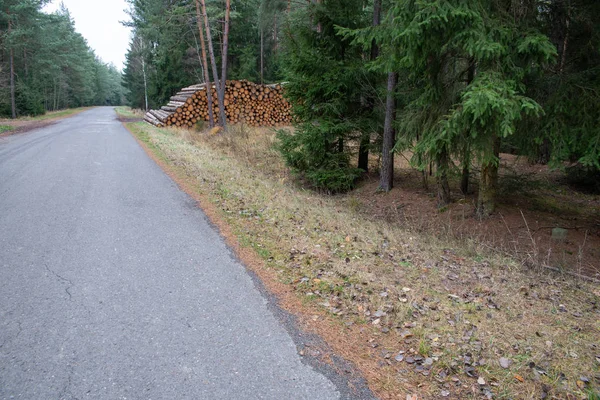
(466, 64)
(325, 72)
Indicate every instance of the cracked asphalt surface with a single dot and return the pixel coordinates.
(113, 285)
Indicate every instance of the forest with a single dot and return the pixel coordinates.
(45, 65)
(452, 83)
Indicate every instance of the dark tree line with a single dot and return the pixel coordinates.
(451, 82)
(45, 65)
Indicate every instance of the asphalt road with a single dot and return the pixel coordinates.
(113, 285)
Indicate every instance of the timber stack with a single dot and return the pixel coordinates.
(247, 102)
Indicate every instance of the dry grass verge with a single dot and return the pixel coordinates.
(417, 315)
(127, 114)
(24, 124)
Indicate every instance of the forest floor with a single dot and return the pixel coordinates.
(24, 124)
(534, 201)
(426, 304)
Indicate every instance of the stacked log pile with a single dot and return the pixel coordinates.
(247, 102)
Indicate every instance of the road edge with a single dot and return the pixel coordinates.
(41, 124)
(282, 302)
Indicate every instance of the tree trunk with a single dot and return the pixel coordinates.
(213, 63)
(376, 22)
(275, 44)
(145, 84)
(442, 178)
(544, 152)
(488, 185)
(363, 151)
(565, 44)
(386, 182)
(224, 63)
(365, 141)
(141, 46)
(262, 55)
(25, 64)
(13, 104)
(464, 180)
(319, 24)
(211, 118)
(466, 152)
(466, 164)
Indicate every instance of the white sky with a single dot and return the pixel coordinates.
(99, 23)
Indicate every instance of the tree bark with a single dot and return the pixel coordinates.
(211, 52)
(365, 141)
(488, 185)
(13, 104)
(363, 151)
(143, 62)
(466, 153)
(319, 24)
(376, 22)
(262, 55)
(464, 180)
(25, 64)
(211, 119)
(386, 182)
(275, 42)
(145, 83)
(544, 152)
(466, 163)
(224, 62)
(565, 43)
(442, 178)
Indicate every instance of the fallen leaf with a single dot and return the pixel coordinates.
(519, 378)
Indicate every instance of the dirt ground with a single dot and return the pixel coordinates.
(533, 201)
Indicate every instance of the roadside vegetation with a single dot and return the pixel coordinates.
(419, 313)
(129, 114)
(10, 126)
